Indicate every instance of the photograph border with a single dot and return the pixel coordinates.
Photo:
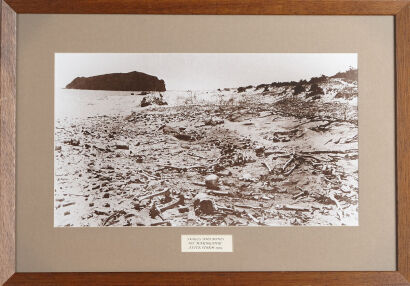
(400, 9)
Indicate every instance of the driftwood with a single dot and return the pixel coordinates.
(181, 168)
(224, 208)
(174, 132)
(252, 217)
(76, 195)
(267, 166)
(162, 167)
(267, 115)
(100, 212)
(322, 127)
(291, 170)
(288, 162)
(108, 219)
(173, 204)
(198, 156)
(165, 191)
(247, 206)
(68, 204)
(111, 219)
(147, 175)
(154, 211)
(293, 208)
(328, 152)
(199, 184)
(331, 197)
(167, 223)
(310, 157)
(301, 194)
(280, 154)
(219, 193)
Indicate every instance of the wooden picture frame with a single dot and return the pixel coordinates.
(400, 9)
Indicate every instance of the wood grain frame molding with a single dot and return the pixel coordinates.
(400, 9)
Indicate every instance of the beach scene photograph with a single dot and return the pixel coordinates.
(197, 139)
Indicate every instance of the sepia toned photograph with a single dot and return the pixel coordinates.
(206, 139)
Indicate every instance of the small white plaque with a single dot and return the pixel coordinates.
(206, 243)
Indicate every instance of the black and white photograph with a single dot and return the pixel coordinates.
(197, 139)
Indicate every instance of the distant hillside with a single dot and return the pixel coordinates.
(349, 75)
(132, 81)
(341, 87)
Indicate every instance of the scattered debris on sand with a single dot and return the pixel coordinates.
(241, 157)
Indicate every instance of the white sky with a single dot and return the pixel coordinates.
(204, 71)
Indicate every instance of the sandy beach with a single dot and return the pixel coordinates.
(256, 156)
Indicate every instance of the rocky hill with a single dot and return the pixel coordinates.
(132, 81)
